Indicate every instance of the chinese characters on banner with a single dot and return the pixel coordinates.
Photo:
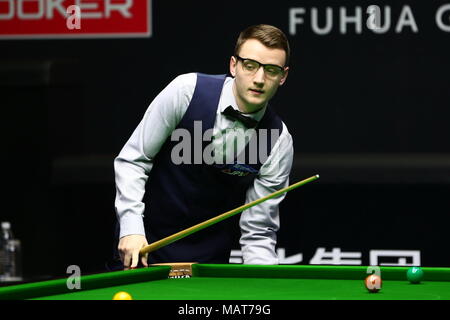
(336, 256)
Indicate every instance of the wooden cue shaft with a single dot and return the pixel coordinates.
(176, 236)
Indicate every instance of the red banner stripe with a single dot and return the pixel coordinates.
(50, 18)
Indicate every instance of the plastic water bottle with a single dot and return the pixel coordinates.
(10, 255)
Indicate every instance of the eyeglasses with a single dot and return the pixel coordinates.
(252, 66)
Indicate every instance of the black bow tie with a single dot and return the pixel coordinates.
(236, 115)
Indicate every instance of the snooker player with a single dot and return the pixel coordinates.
(157, 196)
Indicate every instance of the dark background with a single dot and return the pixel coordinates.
(368, 112)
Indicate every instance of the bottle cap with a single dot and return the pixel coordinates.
(6, 225)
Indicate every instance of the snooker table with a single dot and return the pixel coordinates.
(242, 282)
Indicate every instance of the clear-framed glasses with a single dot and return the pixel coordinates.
(252, 66)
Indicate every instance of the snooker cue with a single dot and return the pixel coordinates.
(176, 236)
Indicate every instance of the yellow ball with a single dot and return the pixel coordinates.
(122, 295)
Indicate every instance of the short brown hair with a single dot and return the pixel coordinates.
(268, 35)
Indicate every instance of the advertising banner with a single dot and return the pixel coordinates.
(60, 19)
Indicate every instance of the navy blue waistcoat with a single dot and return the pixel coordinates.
(179, 196)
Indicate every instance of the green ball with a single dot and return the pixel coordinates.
(414, 274)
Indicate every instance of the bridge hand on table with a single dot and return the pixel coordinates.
(129, 247)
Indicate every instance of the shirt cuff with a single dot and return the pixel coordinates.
(131, 224)
(259, 255)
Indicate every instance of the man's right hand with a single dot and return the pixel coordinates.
(129, 247)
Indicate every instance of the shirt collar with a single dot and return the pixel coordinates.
(228, 99)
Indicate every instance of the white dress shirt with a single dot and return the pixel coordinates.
(258, 224)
